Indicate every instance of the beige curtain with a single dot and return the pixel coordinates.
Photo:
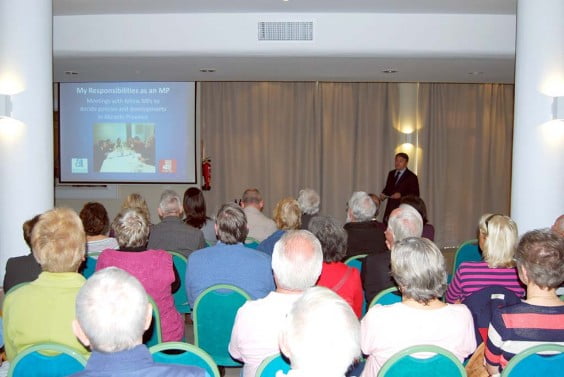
(341, 137)
(466, 138)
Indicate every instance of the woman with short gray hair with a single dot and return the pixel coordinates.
(421, 317)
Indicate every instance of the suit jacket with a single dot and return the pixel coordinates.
(375, 273)
(364, 238)
(20, 270)
(408, 184)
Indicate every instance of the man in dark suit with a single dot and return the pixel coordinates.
(401, 182)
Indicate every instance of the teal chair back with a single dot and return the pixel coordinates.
(251, 242)
(356, 262)
(467, 252)
(213, 315)
(180, 298)
(153, 335)
(531, 363)
(271, 365)
(90, 265)
(387, 296)
(59, 361)
(185, 354)
(442, 364)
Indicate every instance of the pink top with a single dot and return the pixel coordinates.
(385, 330)
(154, 269)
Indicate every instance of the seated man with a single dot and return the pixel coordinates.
(296, 263)
(321, 335)
(112, 313)
(229, 261)
(404, 222)
(172, 233)
(260, 226)
(365, 236)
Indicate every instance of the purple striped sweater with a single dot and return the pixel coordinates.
(473, 276)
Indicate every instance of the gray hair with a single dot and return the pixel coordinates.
(251, 195)
(131, 228)
(405, 222)
(331, 235)
(170, 204)
(418, 267)
(321, 334)
(297, 260)
(231, 224)
(309, 201)
(361, 206)
(111, 308)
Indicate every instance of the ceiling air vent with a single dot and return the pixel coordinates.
(285, 31)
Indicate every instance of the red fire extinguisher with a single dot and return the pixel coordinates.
(206, 173)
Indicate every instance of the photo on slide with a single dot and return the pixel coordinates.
(124, 148)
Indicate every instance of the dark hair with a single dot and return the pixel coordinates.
(541, 253)
(231, 224)
(417, 203)
(331, 235)
(94, 219)
(403, 155)
(194, 207)
(27, 228)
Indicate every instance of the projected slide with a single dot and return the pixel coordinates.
(127, 132)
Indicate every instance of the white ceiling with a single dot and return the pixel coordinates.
(242, 66)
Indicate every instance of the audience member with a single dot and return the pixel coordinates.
(112, 313)
(229, 261)
(377, 203)
(421, 317)
(418, 203)
(287, 216)
(558, 226)
(497, 238)
(43, 310)
(137, 202)
(337, 276)
(260, 226)
(195, 211)
(296, 264)
(539, 318)
(320, 335)
(404, 222)
(364, 235)
(308, 201)
(97, 226)
(172, 233)
(23, 268)
(153, 268)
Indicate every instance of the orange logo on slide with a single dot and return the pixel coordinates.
(167, 166)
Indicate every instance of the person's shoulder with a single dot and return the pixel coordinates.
(176, 370)
(473, 265)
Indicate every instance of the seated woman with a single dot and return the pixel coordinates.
(96, 225)
(136, 201)
(421, 317)
(43, 310)
(539, 318)
(287, 216)
(336, 275)
(195, 209)
(153, 268)
(497, 238)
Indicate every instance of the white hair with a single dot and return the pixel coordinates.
(111, 309)
(170, 203)
(297, 260)
(362, 206)
(405, 222)
(321, 334)
(308, 201)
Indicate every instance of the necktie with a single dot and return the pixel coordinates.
(397, 176)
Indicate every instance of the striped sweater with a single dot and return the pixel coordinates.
(473, 276)
(517, 327)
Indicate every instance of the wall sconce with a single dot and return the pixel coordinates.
(5, 106)
(558, 108)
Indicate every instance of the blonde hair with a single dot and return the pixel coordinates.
(287, 214)
(137, 202)
(500, 239)
(58, 241)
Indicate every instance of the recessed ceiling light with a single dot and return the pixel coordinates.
(71, 73)
(475, 73)
(207, 70)
(389, 70)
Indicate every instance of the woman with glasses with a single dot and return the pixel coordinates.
(497, 239)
